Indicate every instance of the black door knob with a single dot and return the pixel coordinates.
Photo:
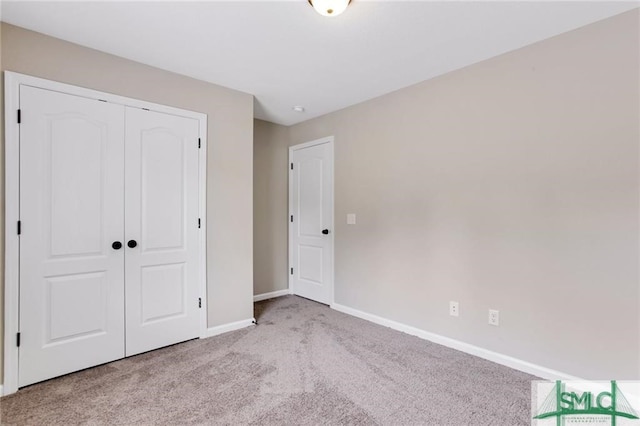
(325, 231)
(132, 243)
(117, 245)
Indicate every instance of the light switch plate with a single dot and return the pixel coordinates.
(351, 218)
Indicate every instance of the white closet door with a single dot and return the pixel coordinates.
(71, 204)
(312, 210)
(161, 211)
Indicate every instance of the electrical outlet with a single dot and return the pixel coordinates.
(494, 317)
(453, 309)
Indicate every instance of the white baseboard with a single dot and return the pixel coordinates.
(270, 295)
(515, 363)
(225, 328)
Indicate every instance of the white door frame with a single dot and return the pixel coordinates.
(12, 83)
(328, 140)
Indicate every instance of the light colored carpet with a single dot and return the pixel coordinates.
(304, 364)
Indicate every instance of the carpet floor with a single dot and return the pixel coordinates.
(304, 364)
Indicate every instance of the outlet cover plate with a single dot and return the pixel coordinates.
(454, 309)
(494, 317)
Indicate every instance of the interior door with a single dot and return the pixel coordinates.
(311, 193)
(161, 228)
(71, 211)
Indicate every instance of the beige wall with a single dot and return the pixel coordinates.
(511, 184)
(270, 226)
(230, 155)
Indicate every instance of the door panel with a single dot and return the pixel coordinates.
(161, 194)
(72, 209)
(310, 263)
(311, 196)
(163, 292)
(62, 309)
(77, 149)
(162, 189)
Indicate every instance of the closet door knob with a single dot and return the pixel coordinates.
(132, 243)
(325, 231)
(117, 245)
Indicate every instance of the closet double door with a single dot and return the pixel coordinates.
(109, 224)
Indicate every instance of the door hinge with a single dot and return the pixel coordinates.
(199, 143)
(291, 166)
(19, 117)
(18, 340)
(198, 223)
(199, 302)
(291, 218)
(291, 271)
(19, 227)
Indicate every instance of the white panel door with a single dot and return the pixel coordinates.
(161, 228)
(312, 211)
(72, 211)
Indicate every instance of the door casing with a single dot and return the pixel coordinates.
(325, 140)
(13, 81)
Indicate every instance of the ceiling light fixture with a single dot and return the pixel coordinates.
(298, 108)
(329, 7)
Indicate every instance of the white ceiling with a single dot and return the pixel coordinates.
(285, 54)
